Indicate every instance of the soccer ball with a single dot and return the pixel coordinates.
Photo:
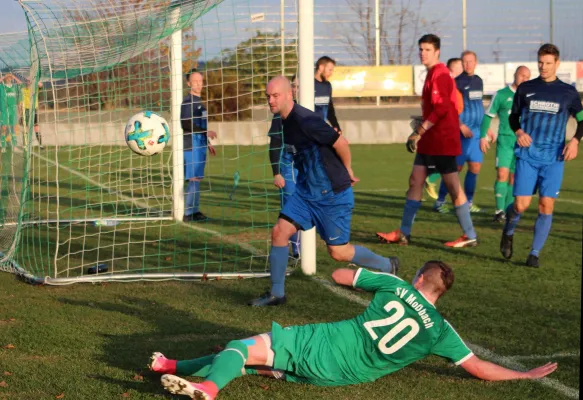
(147, 133)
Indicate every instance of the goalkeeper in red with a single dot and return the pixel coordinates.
(437, 141)
(400, 326)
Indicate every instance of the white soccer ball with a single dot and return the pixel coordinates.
(147, 133)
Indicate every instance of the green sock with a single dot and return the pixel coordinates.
(197, 367)
(509, 196)
(500, 189)
(434, 177)
(228, 364)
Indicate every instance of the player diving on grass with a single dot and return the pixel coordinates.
(194, 121)
(437, 143)
(500, 107)
(539, 116)
(401, 325)
(471, 87)
(282, 164)
(323, 197)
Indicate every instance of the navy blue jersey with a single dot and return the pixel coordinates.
(544, 109)
(193, 118)
(322, 98)
(472, 90)
(320, 170)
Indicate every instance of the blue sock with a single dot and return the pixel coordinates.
(196, 197)
(366, 258)
(512, 218)
(463, 216)
(542, 227)
(470, 185)
(295, 242)
(442, 192)
(411, 207)
(189, 198)
(277, 266)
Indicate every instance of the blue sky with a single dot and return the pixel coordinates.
(498, 30)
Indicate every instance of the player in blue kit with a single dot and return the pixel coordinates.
(323, 104)
(471, 87)
(539, 116)
(282, 164)
(193, 118)
(323, 197)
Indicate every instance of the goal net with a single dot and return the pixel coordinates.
(76, 203)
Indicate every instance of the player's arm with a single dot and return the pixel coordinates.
(489, 371)
(576, 110)
(522, 138)
(344, 276)
(186, 117)
(365, 279)
(275, 149)
(440, 100)
(332, 116)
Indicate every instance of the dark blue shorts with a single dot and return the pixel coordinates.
(330, 215)
(471, 150)
(195, 158)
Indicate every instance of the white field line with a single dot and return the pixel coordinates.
(559, 199)
(508, 362)
(142, 204)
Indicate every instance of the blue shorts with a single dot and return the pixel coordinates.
(290, 174)
(470, 150)
(195, 158)
(330, 215)
(529, 177)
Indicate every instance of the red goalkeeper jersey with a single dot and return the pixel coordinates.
(438, 103)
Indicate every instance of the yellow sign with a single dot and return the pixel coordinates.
(394, 80)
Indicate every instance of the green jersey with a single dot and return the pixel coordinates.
(398, 328)
(500, 107)
(9, 99)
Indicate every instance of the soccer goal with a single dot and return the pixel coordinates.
(83, 207)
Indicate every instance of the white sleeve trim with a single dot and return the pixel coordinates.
(463, 360)
(356, 277)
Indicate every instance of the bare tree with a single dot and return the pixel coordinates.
(400, 23)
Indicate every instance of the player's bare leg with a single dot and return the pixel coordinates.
(229, 364)
(462, 211)
(402, 236)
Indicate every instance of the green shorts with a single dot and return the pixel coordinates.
(305, 356)
(505, 157)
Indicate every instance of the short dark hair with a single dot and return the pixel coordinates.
(452, 60)
(192, 71)
(439, 274)
(324, 60)
(431, 39)
(549, 49)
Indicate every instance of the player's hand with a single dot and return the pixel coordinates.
(353, 179)
(484, 145)
(279, 181)
(571, 149)
(211, 134)
(338, 130)
(541, 371)
(412, 142)
(212, 150)
(466, 132)
(491, 136)
(523, 139)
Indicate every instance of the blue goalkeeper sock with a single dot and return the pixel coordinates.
(512, 218)
(470, 185)
(542, 227)
(463, 216)
(190, 198)
(442, 192)
(411, 207)
(277, 266)
(366, 258)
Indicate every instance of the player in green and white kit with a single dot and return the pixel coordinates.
(9, 100)
(400, 326)
(500, 107)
